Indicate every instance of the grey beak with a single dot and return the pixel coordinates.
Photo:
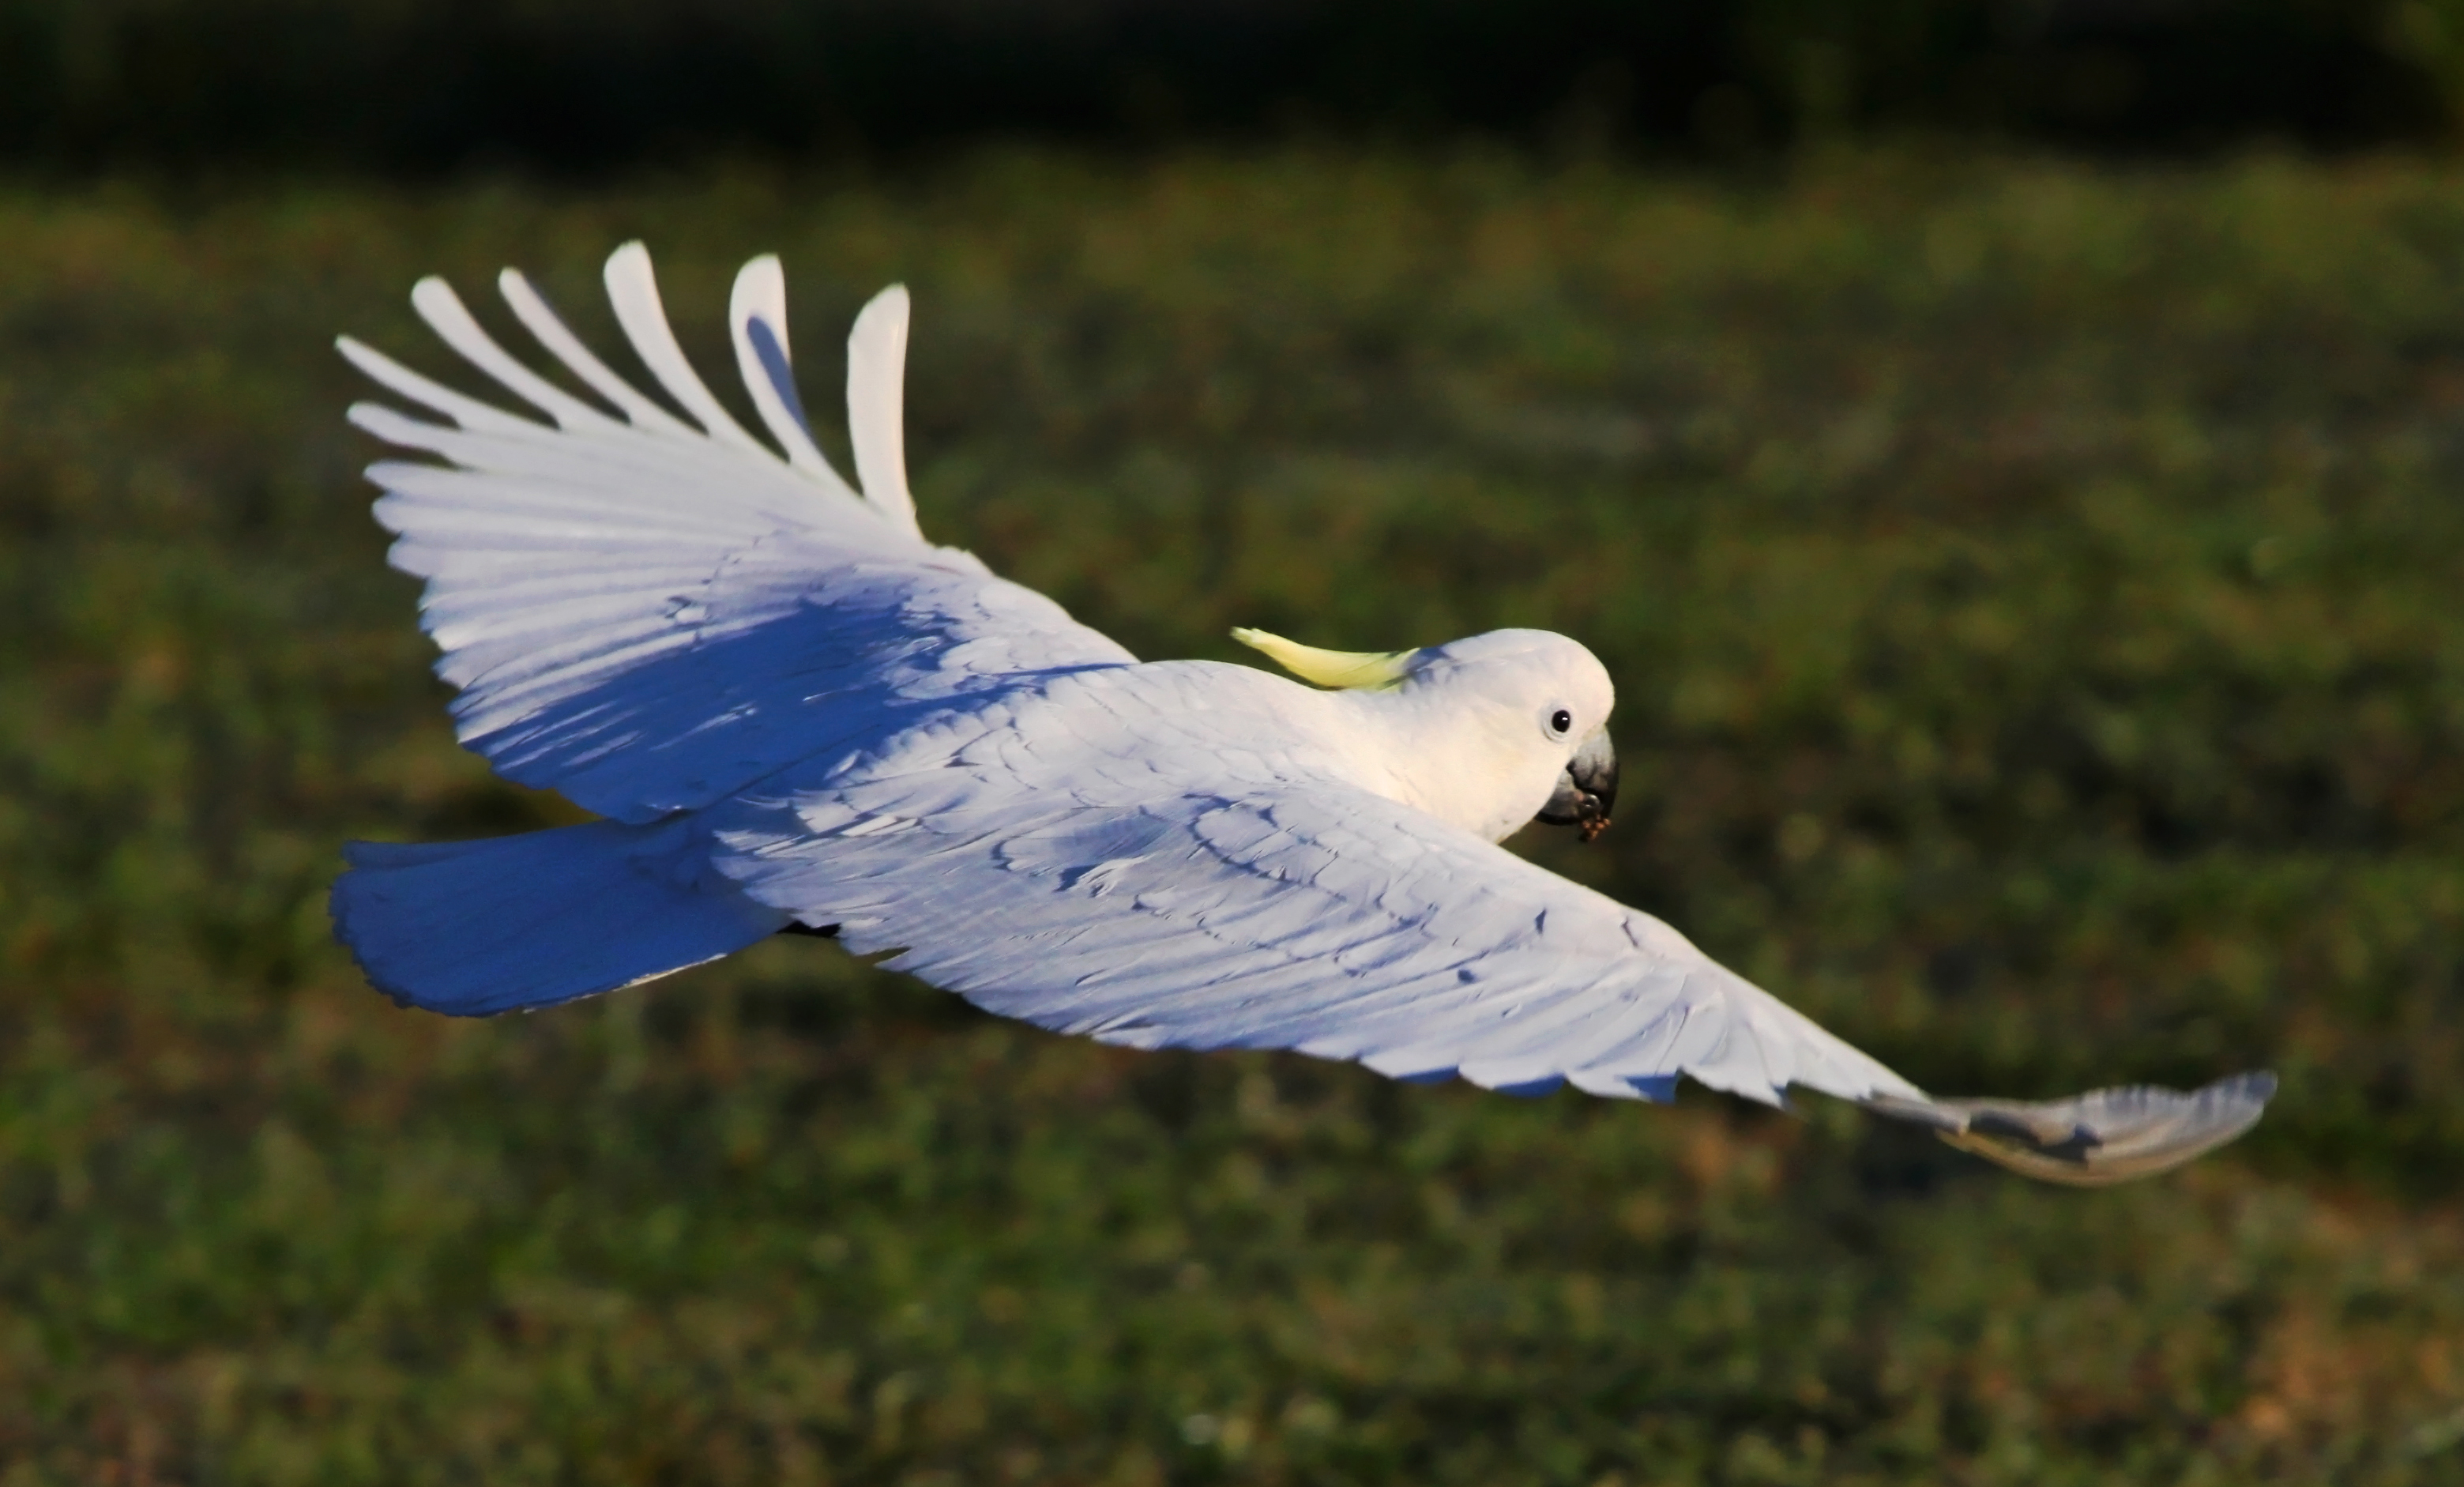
(1587, 792)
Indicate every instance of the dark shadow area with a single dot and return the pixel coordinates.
(563, 87)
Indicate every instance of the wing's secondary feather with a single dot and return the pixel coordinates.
(648, 618)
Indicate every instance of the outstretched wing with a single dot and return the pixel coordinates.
(1113, 858)
(647, 613)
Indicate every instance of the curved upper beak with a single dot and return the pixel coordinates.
(1587, 792)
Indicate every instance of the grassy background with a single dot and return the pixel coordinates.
(2033, 589)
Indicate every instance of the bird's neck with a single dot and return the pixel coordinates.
(1436, 752)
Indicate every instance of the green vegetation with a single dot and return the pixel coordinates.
(2036, 594)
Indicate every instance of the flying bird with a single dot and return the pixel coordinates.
(792, 713)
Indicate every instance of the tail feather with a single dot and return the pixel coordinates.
(474, 928)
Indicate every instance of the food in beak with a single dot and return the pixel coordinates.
(1587, 792)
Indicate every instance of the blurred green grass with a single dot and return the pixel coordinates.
(2034, 591)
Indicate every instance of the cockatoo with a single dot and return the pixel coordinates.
(794, 714)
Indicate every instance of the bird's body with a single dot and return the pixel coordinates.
(795, 712)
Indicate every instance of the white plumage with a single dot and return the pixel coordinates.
(793, 711)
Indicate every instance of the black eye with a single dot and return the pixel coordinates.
(1560, 721)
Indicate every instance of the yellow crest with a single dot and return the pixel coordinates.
(1375, 670)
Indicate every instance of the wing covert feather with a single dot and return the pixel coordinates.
(1154, 896)
(1111, 869)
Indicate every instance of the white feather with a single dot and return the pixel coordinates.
(467, 411)
(552, 334)
(445, 313)
(757, 305)
(876, 400)
(633, 290)
(488, 926)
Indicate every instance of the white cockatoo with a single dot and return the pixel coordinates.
(794, 714)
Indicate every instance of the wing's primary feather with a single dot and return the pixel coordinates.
(633, 290)
(647, 618)
(757, 317)
(877, 404)
(561, 342)
(445, 313)
(396, 378)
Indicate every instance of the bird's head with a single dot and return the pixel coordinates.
(1529, 705)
